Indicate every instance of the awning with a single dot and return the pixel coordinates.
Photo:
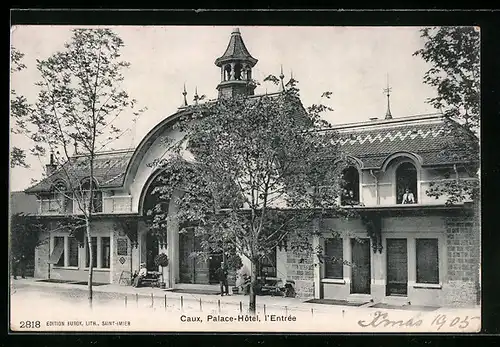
(56, 253)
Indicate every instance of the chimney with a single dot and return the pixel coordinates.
(50, 168)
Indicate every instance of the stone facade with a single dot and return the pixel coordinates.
(300, 270)
(42, 254)
(463, 244)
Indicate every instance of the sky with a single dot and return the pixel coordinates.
(354, 63)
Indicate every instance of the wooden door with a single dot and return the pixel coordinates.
(360, 267)
(397, 267)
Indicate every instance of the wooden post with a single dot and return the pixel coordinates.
(152, 301)
(137, 299)
(241, 307)
(218, 304)
(165, 303)
(286, 310)
(264, 309)
(182, 303)
(125, 301)
(312, 312)
(200, 306)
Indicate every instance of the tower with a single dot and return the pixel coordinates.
(236, 68)
(387, 92)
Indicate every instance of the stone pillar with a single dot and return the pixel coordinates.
(232, 78)
(316, 269)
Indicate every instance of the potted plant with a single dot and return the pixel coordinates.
(161, 260)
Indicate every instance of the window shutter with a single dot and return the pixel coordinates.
(57, 252)
(334, 266)
(427, 261)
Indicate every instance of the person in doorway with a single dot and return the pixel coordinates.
(222, 273)
(142, 273)
(408, 197)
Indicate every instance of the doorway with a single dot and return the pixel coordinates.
(152, 250)
(361, 266)
(213, 264)
(397, 267)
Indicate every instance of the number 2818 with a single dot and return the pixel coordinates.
(30, 324)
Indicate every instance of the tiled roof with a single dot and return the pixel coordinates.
(109, 170)
(20, 202)
(373, 143)
(236, 50)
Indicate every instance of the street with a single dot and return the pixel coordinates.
(61, 307)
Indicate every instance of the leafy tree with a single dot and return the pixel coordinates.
(250, 174)
(453, 53)
(24, 236)
(79, 103)
(19, 108)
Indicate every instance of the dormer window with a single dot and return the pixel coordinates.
(350, 187)
(96, 196)
(406, 184)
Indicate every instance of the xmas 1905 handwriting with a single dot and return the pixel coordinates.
(381, 319)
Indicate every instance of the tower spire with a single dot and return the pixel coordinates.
(282, 85)
(236, 68)
(196, 97)
(184, 94)
(387, 91)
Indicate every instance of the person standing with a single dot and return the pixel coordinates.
(222, 274)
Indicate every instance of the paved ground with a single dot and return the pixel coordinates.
(154, 309)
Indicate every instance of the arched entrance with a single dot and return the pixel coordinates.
(189, 262)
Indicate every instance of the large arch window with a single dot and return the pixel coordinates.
(350, 186)
(406, 184)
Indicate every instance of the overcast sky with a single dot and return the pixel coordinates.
(351, 62)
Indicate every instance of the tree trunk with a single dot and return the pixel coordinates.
(91, 260)
(253, 284)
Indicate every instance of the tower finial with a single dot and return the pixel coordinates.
(387, 91)
(282, 85)
(184, 93)
(195, 98)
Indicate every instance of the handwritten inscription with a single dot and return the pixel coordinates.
(381, 319)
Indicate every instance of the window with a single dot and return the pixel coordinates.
(350, 187)
(105, 252)
(334, 259)
(57, 256)
(406, 184)
(94, 252)
(96, 196)
(267, 265)
(427, 261)
(73, 251)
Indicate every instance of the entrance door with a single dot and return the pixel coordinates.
(397, 267)
(192, 269)
(152, 250)
(213, 264)
(360, 269)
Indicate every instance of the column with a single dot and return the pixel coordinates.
(99, 252)
(66, 251)
(232, 71)
(412, 262)
(316, 268)
(348, 257)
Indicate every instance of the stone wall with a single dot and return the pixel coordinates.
(301, 270)
(42, 254)
(463, 247)
(121, 257)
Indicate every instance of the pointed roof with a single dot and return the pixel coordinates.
(236, 50)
